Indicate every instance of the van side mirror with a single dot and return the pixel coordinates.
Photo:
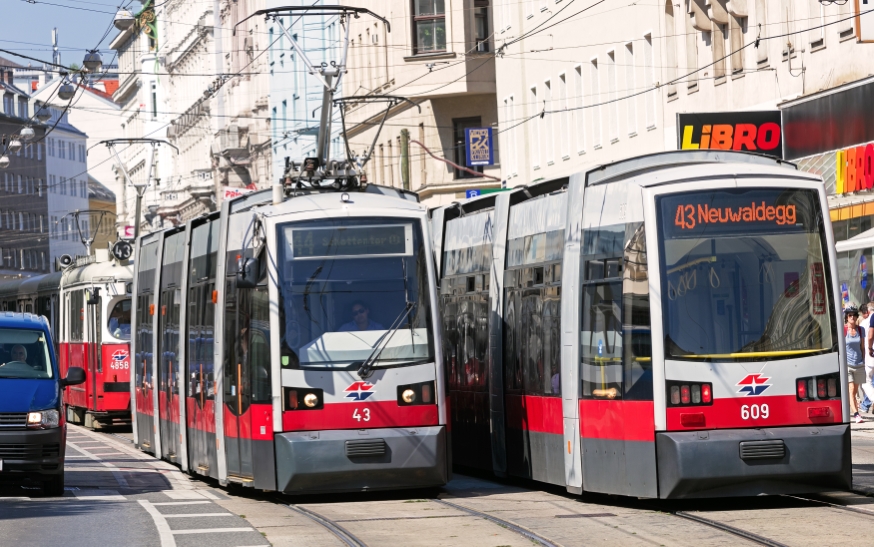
(248, 272)
(75, 376)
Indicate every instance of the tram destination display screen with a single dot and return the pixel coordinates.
(351, 241)
(730, 212)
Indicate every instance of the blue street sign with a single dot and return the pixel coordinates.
(471, 193)
(478, 146)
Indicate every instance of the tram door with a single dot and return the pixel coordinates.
(247, 392)
(93, 340)
(200, 395)
(168, 374)
(143, 370)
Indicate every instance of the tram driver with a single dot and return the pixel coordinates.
(360, 319)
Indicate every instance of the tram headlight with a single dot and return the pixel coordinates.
(416, 394)
(44, 419)
(303, 398)
(311, 400)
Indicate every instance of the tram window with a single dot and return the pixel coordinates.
(538, 275)
(363, 282)
(471, 283)
(77, 316)
(532, 340)
(512, 346)
(551, 379)
(601, 341)
(749, 286)
(450, 339)
(482, 341)
(554, 245)
(594, 270)
(119, 319)
(259, 347)
(466, 326)
(637, 355)
(515, 252)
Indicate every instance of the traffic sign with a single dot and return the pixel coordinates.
(472, 193)
(478, 146)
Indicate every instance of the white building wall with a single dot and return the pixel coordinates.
(67, 190)
(610, 82)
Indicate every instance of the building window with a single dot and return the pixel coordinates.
(717, 36)
(738, 27)
(595, 94)
(670, 48)
(630, 102)
(580, 112)
(429, 26)
(154, 100)
(509, 158)
(481, 21)
(564, 120)
(20, 185)
(459, 125)
(691, 54)
(613, 106)
(534, 131)
(651, 97)
(61, 149)
(21, 222)
(22, 108)
(72, 149)
(549, 134)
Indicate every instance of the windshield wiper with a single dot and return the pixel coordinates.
(366, 368)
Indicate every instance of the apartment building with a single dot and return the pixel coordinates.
(581, 87)
(295, 95)
(24, 242)
(439, 55)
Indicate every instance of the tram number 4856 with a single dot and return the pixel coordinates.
(754, 412)
(363, 416)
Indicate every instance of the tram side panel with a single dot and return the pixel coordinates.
(248, 396)
(168, 344)
(464, 300)
(616, 408)
(200, 332)
(144, 332)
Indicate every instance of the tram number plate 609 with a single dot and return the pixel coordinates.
(754, 412)
(362, 415)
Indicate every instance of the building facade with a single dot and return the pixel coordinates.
(24, 238)
(610, 83)
(440, 55)
(101, 198)
(66, 188)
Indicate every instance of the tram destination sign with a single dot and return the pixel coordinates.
(759, 132)
(722, 212)
(351, 241)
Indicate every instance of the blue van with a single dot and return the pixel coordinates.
(33, 431)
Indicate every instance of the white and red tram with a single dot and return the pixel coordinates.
(291, 345)
(88, 305)
(664, 327)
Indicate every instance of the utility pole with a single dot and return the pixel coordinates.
(405, 158)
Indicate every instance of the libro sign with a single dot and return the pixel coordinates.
(745, 131)
(854, 169)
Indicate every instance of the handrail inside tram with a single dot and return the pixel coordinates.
(753, 354)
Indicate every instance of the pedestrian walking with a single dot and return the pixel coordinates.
(868, 386)
(854, 339)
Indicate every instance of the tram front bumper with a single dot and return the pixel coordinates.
(703, 464)
(367, 459)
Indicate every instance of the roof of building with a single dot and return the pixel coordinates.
(4, 62)
(99, 192)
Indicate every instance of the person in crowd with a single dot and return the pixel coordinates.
(868, 386)
(853, 338)
(360, 319)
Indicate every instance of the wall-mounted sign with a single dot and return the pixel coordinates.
(478, 146)
(746, 131)
(854, 169)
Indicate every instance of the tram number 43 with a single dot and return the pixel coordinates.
(754, 412)
(362, 416)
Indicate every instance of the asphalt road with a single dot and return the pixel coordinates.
(118, 496)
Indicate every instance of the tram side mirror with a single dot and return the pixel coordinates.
(248, 271)
(93, 296)
(75, 376)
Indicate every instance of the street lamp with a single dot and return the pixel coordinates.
(4, 162)
(66, 91)
(14, 146)
(43, 114)
(92, 61)
(123, 20)
(27, 133)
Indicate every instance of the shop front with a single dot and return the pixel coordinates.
(832, 134)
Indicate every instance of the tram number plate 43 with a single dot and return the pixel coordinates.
(754, 412)
(362, 415)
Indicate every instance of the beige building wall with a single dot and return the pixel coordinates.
(450, 82)
(611, 80)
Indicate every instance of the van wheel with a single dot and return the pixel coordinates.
(54, 487)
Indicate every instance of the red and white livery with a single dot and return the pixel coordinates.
(665, 327)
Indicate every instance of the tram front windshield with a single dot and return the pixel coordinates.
(745, 275)
(353, 290)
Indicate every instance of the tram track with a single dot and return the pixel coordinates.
(524, 532)
(740, 532)
(341, 533)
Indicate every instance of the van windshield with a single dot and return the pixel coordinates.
(745, 275)
(24, 354)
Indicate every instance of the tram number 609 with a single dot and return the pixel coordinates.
(754, 412)
(364, 415)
